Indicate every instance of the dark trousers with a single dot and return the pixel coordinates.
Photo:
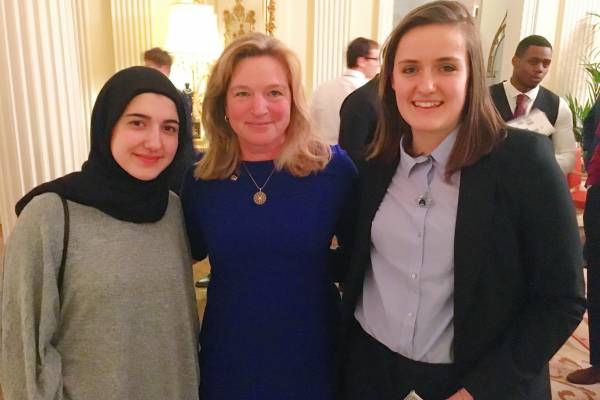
(371, 371)
(591, 225)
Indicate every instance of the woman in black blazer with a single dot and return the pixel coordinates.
(466, 276)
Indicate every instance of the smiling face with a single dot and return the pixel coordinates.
(429, 80)
(145, 138)
(258, 106)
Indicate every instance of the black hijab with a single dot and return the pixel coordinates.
(102, 183)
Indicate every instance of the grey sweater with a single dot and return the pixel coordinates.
(127, 326)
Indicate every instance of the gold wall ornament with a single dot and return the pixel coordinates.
(495, 47)
(238, 21)
(270, 17)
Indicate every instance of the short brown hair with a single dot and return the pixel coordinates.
(158, 56)
(481, 126)
(303, 151)
(532, 40)
(359, 47)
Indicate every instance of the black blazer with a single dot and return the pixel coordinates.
(518, 284)
(358, 119)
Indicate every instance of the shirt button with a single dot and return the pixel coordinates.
(410, 314)
(414, 276)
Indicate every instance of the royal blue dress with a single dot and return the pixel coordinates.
(271, 311)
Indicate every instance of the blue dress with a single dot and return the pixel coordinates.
(268, 328)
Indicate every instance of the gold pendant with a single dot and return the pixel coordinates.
(259, 198)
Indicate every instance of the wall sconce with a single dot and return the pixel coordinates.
(495, 54)
(239, 21)
(194, 40)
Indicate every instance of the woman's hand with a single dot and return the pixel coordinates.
(462, 394)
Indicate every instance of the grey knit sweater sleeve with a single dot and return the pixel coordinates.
(30, 366)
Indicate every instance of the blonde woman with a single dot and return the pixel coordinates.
(264, 203)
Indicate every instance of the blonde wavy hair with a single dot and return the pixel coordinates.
(303, 151)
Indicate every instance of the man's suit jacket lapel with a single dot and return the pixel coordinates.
(501, 101)
(472, 237)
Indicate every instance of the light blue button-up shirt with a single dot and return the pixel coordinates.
(408, 294)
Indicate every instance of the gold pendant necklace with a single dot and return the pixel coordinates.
(259, 197)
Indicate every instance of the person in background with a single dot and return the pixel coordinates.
(117, 320)
(362, 60)
(523, 92)
(591, 226)
(263, 204)
(162, 61)
(466, 272)
(358, 119)
(158, 59)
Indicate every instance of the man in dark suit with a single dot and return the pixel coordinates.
(358, 119)
(522, 93)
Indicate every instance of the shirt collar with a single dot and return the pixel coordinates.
(354, 73)
(439, 155)
(513, 92)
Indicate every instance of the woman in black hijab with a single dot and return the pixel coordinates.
(109, 311)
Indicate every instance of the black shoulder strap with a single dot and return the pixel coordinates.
(63, 260)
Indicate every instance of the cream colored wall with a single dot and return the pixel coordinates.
(292, 20)
(160, 21)
(361, 18)
(99, 32)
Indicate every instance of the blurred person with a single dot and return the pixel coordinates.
(263, 204)
(97, 300)
(158, 59)
(466, 270)
(523, 92)
(362, 61)
(591, 226)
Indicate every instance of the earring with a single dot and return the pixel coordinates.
(226, 118)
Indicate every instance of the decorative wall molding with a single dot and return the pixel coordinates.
(42, 116)
(132, 31)
(331, 37)
(385, 20)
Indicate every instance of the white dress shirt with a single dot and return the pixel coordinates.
(563, 138)
(327, 101)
